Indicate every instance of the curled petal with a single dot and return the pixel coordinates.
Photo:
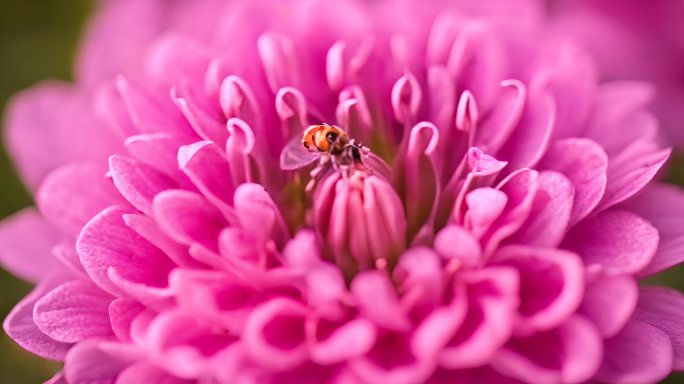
(274, 334)
(571, 353)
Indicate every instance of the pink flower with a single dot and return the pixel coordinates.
(504, 242)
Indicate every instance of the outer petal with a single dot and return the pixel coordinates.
(73, 194)
(663, 206)
(27, 240)
(19, 325)
(663, 308)
(51, 125)
(74, 311)
(618, 241)
(650, 362)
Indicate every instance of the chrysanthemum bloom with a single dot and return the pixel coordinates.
(503, 243)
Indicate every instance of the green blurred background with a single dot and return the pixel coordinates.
(38, 40)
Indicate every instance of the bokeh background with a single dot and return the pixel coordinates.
(38, 40)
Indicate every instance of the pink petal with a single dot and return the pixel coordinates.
(137, 182)
(421, 278)
(112, 45)
(520, 188)
(506, 112)
(377, 300)
(336, 346)
(550, 214)
(485, 205)
(87, 363)
(258, 213)
(618, 241)
(569, 354)
(274, 334)
(27, 240)
(530, 139)
(107, 242)
(390, 362)
(73, 194)
(51, 125)
(601, 307)
(551, 285)
(209, 170)
(455, 242)
(183, 345)
(159, 151)
(663, 308)
(630, 171)
(21, 328)
(145, 372)
(122, 312)
(640, 353)
(663, 206)
(188, 218)
(146, 227)
(73, 311)
(492, 303)
(585, 163)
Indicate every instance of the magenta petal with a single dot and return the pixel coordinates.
(390, 362)
(274, 334)
(601, 307)
(618, 241)
(649, 363)
(87, 363)
(378, 301)
(137, 182)
(73, 311)
(585, 163)
(520, 188)
(183, 345)
(258, 213)
(209, 170)
(455, 242)
(488, 324)
(27, 240)
(421, 277)
(485, 205)
(336, 347)
(159, 151)
(122, 312)
(663, 206)
(52, 125)
(188, 218)
(569, 354)
(107, 242)
(73, 194)
(21, 328)
(630, 171)
(551, 285)
(550, 215)
(145, 372)
(663, 308)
